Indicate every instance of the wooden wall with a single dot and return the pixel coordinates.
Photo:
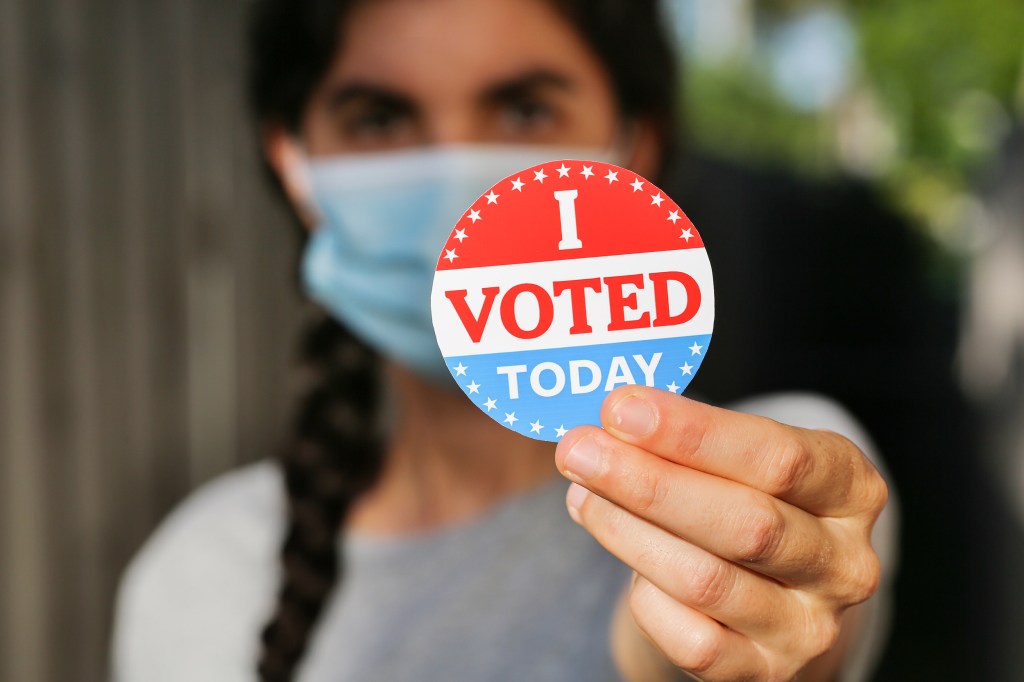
(147, 300)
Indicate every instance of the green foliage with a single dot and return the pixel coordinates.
(925, 57)
(946, 74)
(732, 109)
(949, 75)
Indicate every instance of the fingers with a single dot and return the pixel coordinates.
(708, 616)
(749, 537)
(727, 519)
(818, 471)
(730, 594)
(691, 640)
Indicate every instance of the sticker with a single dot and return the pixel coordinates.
(563, 282)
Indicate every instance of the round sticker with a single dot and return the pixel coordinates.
(563, 282)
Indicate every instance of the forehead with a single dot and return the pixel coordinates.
(434, 49)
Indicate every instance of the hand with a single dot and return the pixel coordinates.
(748, 538)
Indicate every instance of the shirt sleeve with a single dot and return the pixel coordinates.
(193, 601)
(817, 412)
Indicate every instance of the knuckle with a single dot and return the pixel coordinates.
(690, 647)
(822, 633)
(760, 533)
(688, 435)
(788, 466)
(698, 653)
(877, 493)
(709, 583)
(867, 490)
(653, 556)
(646, 491)
(864, 579)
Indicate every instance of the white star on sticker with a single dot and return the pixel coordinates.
(511, 419)
(560, 431)
(656, 199)
(587, 172)
(492, 198)
(474, 216)
(473, 388)
(460, 371)
(491, 404)
(563, 172)
(638, 186)
(695, 349)
(517, 185)
(674, 387)
(674, 217)
(460, 235)
(613, 176)
(535, 427)
(687, 235)
(450, 255)
(687, 369)
(540, 176)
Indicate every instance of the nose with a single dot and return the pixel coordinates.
(455, 126)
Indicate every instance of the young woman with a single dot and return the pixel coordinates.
(406, 536)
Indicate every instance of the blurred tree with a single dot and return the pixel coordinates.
(949, 73)
(934, 87)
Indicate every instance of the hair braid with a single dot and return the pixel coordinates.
(334, 457)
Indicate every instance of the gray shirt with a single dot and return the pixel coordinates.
(520, 593)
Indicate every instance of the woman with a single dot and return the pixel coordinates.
(728, 546)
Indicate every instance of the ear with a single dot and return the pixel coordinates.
(645, 156)
(286, 159)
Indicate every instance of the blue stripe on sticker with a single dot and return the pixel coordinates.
(544, 393)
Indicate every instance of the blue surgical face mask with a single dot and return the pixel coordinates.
(383, 219)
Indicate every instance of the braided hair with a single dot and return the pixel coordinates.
(333, 458)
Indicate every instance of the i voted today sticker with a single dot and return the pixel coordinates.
(563, 282)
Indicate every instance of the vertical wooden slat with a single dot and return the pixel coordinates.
(52, 66)
(145, 301)
(207, 96)
(23, 502)
(91, 261)
(128, 179)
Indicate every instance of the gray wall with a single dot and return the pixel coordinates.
(147, 303)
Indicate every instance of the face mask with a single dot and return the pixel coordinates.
(383, 219)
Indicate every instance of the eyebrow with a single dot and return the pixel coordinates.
(517, 86)
(503, 91)
(358, 90)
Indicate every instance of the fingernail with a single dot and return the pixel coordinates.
(574, 498)
(584, 459)
(633, 416)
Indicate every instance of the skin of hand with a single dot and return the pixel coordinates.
(749, 539)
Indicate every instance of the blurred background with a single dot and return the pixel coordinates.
(857, 170)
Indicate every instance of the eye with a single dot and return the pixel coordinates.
(527, 116)
(377, 125)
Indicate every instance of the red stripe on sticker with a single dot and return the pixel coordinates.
(567, 210)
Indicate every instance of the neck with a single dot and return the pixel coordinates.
(446, 463)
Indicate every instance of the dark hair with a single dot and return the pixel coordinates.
(331, 460)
